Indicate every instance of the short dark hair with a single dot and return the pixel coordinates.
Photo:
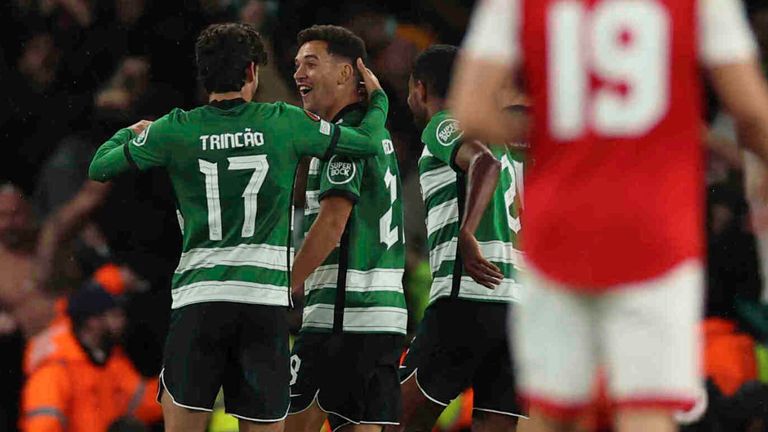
(224, 51)
(341, 41)
(434, 68)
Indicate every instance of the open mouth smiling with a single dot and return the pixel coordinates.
(304, 89)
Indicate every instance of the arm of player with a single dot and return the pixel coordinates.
(62, 226)
(358, 142)
(321, 239)
(743, 91)
(475, 106)
(482, 170)
(112, 158)
(729, 51)
(485, 66)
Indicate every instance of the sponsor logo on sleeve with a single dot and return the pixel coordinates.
(388, 147)
(142, 138)
(448, 132)
(325, 127)
(341, 170)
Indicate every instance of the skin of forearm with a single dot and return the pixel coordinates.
(321, 239)
(63, 226)
(482, 176)
(753, 134)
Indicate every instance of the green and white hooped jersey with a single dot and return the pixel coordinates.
(359, 286)
(443, 187)
(232, 165)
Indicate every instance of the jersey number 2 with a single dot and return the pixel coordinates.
(386, 235)
(608, 68)
(210, 170)
(515, 169)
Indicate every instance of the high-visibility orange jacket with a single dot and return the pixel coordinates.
(42, 345)
(729, 355)
(66, 391)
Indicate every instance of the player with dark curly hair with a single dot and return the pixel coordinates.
(232, 164)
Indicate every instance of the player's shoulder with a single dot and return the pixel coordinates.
(175, 117)
(442, 130)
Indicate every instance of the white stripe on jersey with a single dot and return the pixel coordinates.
(364, 320)
(313, 203)
(260, 255)
(314, 167)
(495, 251)
(507, 291)
(234, 291)
(360, 281)
(436, 179)
(442, 215)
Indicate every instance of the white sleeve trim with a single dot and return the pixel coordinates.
(724, 33)
(493, 31)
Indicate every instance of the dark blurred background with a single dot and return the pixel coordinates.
(74, 71)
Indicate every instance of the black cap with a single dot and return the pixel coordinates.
(90, 300)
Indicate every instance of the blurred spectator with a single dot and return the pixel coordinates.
(86, 382)
(39, 109)
(30, 309)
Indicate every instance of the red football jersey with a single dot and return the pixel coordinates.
(615, 188)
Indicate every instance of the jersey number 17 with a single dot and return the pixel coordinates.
(210, 170)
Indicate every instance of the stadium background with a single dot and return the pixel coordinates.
(73, 71)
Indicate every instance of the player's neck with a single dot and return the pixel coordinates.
(339, 105)
(227, 96)
(434, 106)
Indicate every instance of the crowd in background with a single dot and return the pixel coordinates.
(75, 71)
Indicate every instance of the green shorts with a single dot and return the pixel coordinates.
(242, 348)
(461, 344)
(352, 376)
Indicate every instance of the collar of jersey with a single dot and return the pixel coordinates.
(348, 109)
(226, 103)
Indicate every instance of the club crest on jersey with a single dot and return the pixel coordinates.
(142, 138)
(341, 170)
(448, 132)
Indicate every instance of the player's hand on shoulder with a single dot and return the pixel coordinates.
(369, 79)
(480, 269)
(139, 126)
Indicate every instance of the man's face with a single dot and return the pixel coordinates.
(317, 77)
(16, 224)
(114, 323)
(416, 102)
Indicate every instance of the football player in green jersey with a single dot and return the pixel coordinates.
(344, 362)
(232, 164)
(472, 196)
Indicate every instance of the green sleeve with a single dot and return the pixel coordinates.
(150, 148)
(319, 138)
(111, 158)
(341, 176)
(443, 138)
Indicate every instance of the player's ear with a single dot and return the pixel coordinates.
(421, 91)
(251, 72)
(346, 73)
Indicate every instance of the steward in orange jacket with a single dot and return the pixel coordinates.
(83, 382)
